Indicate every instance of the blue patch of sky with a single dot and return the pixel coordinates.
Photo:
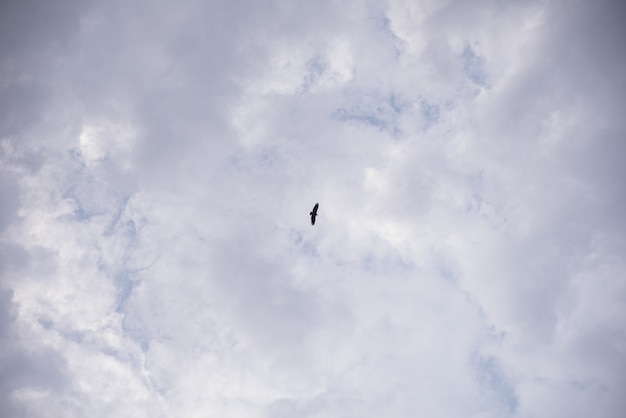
(236, 161)
(296, 236)
(315, 69)
(137, 332)
(72, 335)
(368, 262)
(76, 155)
(71, 193)
(309, 248)
(384, 111)
(115, 219)
(474, 66)
(430, 112)
(446, 266)
(79, 214)
(125, 282)
(476, 180)
(80, 193)
(385, 259)
(125, 279)
(489, 213)
(270, 156)
(305, 246)
(76, 336)
(491, 377)
(375, 110)
(46, 322)
(84, 185)
(258, 158)
(475, 204)
(382, 24)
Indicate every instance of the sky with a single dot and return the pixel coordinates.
(159, 160)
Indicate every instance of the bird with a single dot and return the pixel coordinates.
(314, 213)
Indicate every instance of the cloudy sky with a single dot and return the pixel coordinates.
(158, 161)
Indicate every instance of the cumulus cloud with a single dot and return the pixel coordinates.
(159, 162)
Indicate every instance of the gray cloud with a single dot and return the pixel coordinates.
(159, 161)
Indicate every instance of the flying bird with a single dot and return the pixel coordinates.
(314, 213)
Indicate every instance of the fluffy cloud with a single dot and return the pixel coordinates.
(159, 161)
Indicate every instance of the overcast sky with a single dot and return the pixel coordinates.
(159, 159)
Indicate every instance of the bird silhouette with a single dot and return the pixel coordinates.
(314, 213)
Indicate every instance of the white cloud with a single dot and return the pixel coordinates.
(159, 161)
